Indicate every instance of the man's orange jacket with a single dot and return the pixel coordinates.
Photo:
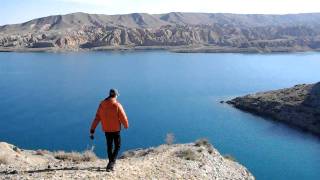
(111, 114)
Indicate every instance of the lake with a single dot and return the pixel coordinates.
(48, 100)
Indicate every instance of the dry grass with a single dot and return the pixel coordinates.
(16, 149)
(136, 153)
(127, 154)
(230, 157)
(202, 142)
(3, 159)
(199, 150)
(187, 154)
(210, 149)
(75, 156)
(41, 152)
(170, 138)
(205, 143)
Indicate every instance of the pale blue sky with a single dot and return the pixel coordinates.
(17, 11)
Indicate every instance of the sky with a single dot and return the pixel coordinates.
(17, 11)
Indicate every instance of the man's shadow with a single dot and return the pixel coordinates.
(97, 169)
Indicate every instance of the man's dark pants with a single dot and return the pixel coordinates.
(113, 138)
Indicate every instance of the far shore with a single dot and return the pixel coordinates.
(175, 49)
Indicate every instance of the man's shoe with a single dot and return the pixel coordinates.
(110, 166)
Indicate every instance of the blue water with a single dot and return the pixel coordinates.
(48, 100)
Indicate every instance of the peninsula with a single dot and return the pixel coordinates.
(298, 106)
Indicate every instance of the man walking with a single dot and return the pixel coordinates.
(111, 115)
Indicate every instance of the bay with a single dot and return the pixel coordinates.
(48, 100)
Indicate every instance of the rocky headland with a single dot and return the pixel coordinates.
(197, 160)
(177, 32)
(298, 106)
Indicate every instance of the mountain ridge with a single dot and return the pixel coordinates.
(200, 18)
(210, 31)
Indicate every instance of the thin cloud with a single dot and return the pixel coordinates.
(13, 13)
(93, 2)
(228, 6)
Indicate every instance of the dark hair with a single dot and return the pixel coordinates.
(113, 93)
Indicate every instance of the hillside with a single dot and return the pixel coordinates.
(298, 106)
(197, 160)
(181, 32)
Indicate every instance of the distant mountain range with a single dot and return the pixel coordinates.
(180, 32)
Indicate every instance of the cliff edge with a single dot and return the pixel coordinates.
(197, 160)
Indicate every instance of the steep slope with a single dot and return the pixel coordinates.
(179, 161)
(78, 20)
(298, 106)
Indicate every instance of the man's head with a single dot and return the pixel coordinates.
(113, 93)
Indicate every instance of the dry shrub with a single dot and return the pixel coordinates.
(16, 149)
(229, 157)
(41, 152)
(4, 159)
(205, 143)
(187, 154)
(199, 150)
(210, 149)
(170, 138)
(127, 154)
(75, 156)
(89, 156)
(136, 153)
(202, 142)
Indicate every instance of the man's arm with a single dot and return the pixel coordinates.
(95, 121)
(122, 116)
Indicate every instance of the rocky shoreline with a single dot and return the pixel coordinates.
(174, 49)
(197, 160)
(298, 106)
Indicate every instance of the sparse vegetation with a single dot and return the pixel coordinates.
(75, 156)
(230, 157)
(16, 149)
(210, 149)
(136, 153)
(127, 154)
(41, 152)
(164, 162)
(187, 154)
(170, 138)
(89, 156)
(202, 142)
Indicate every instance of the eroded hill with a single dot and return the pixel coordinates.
(183, 32)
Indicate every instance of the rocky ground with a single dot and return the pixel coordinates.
(197, 160)
(298, 106)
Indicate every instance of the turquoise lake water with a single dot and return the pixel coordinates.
(48, 100)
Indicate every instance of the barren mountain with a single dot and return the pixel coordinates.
(182, 31)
